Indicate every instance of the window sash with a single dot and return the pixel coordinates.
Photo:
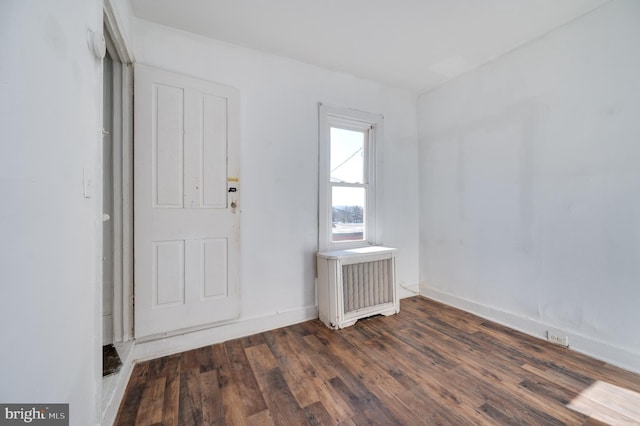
(366, 141)
(371, 126)
(365, 214)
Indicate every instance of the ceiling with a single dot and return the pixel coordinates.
(410, 44)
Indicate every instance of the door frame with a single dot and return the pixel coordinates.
(122, 134)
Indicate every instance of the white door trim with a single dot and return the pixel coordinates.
(121, 52)
(113, 24)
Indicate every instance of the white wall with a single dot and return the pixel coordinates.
(50, 92)
(530, 184)
(279, 176)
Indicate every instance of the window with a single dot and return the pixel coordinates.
(348, 144)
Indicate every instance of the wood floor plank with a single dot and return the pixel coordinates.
(155, 368)
(557, 378)
(261, 358)
(429, 364)
(362, 400)
(189, 360)
(317, 415)
(170, 411)
(364, 373)
(129, 408)
(619, 377)
(171, 402)
(282, 404)
(320, 371)
(602, 412)
(507, 378)
(403, 365)
(244, 378)
(190, 408)
(228, 382)
(253, 340)
(204, 356)
(151, 402)
(139, 373)
(526, 399)
(407, 347)
(292, 367)
(212, 411)
(263, 418)
(503, 400)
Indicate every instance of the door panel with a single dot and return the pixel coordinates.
(187, 225)
(214, 253)
(168, 145)
(168, 273)
(214, 183)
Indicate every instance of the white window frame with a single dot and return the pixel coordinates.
(346, 118)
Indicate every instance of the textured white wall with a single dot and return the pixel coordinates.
(530, 183)
(50, 95)
(279, 176)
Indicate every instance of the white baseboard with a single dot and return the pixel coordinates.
(606, 352)
(114, 386)
(405, 290)
(245, 327)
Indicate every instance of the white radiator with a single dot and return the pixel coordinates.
(356, 283)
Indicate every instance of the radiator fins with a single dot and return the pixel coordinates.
(367, 284)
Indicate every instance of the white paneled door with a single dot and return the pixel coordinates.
(186, 202)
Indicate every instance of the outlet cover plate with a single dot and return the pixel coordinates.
(558, 339)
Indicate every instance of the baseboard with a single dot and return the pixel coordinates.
(245, 327)
(405, 290)
(114, 386)
(603, 351)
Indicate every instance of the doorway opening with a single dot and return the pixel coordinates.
(117, 183)
(117, 200)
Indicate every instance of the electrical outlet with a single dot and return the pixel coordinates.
(557, 339)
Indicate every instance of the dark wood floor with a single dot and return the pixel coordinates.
(430, 364)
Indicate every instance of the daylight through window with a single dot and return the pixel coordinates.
(347, 190)
(348, 184)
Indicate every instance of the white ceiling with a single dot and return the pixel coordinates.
(411, 44)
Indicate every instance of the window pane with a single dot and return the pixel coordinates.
(347, 213)
(347, 156)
